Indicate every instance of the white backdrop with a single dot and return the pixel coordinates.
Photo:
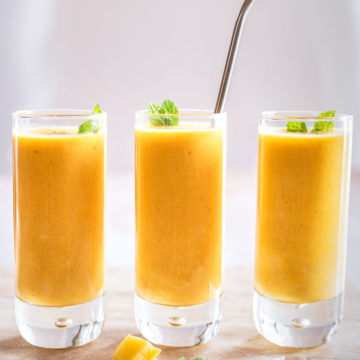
(123, 54)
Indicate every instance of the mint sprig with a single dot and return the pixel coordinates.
(296, 126)
(159, 118)
(324, 126)
(328, 114)
(91, 125)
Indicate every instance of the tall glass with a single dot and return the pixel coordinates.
(59, 226)
(179, 227)
(302, 211)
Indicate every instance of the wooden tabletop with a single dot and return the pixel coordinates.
(237, 339)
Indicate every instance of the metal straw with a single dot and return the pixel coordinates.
(229, 65)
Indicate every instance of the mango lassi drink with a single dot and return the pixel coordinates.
(299, 217)
(179, 205)
(179, 181)
(59, 178)
(303, 178)
(59, 216)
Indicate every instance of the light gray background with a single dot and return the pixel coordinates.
(123, 54)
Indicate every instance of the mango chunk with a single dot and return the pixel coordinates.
(135, 348)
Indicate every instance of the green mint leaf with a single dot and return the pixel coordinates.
(97, 110)
(296, 126)
(156, 109)
(85, 127)
(170, 107)
(330, 113)
(156, 119)
(91, 125)
(167, 107)
(323, 126)
(182, 358)
(199, 358)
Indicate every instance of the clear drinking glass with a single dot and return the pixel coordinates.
(59, 226)
(179, 178)
(302, 211)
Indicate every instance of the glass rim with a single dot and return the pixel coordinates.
(55, 113)
(302, 115)
(184, 113)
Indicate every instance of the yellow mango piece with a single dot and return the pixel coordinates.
(135, 348)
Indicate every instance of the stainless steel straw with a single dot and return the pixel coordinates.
(229, 65)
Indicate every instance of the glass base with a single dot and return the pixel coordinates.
(297, 325)
(178, 326)
(60, 327)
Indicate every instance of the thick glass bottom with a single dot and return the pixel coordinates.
(60, 327)
(297, 325)
(178, 326)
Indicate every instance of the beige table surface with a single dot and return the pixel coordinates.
(237, 338)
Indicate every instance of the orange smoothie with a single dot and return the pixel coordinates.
(300, 219)
(179, 207)
(58, 216)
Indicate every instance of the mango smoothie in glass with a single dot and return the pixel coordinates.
(303, 189)
(59, 177)
(179, 227)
